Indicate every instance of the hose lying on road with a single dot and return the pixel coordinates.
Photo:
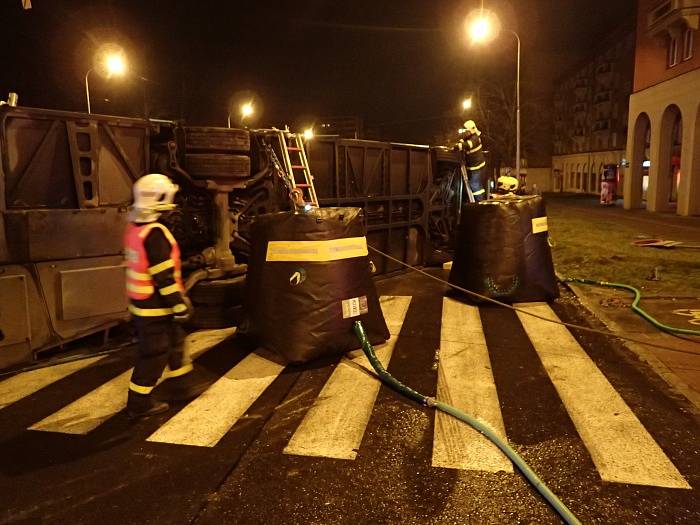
(635, 304)
(395, 384)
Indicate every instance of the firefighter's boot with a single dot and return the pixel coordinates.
(143, 405)
(183, 388)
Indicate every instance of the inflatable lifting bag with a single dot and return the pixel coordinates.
(308, 281)
(502, 251)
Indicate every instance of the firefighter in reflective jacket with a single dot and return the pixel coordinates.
(157, 299)
(470, 144)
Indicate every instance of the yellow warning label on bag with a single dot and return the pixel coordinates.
(316, 251)
(539, 225)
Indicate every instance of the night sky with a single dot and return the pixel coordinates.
(403, 64)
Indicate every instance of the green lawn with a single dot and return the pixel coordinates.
(593, 248)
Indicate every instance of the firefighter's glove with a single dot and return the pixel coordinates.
(183, 317)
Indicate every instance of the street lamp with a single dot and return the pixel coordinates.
(482, 27)
(309, 133)
(246, 110)
(109, 63)
(467, 103)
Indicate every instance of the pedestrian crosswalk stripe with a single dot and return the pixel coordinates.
(208, 418)
(333, 427)
(26, 383)
(621, 448)
(88, 412)
(465, 381)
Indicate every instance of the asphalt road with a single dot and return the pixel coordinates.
(263, 444)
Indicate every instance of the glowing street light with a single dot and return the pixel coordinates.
(308, 133)
(109, 63)
(246, 110)
(482, 27)
(467, 103)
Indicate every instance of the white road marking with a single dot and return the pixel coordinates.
(465, 381)
(91, 410)
(208, 418)
(333, 427)
(26, 383)
(621, 448)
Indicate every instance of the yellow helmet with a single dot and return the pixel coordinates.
(470, 126)
(506, 184)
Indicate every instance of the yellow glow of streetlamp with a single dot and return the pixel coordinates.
(247, 110)
(479, 29)
(115, 64)
(482, 26)
(467, 103)
(308, 133)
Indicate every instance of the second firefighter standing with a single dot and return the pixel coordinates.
(471, 146)
(157, 300)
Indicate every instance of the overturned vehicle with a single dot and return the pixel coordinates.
(65, 187)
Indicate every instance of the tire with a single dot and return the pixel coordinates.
(217, 139)
(216, 316)
(217, 166)
(228, 292)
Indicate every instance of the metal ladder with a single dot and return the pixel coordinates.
(465, 183)
(297, 165)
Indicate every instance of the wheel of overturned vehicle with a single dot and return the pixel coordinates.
(218, 166)
(216, 316)
(217, 139)
(225, 292)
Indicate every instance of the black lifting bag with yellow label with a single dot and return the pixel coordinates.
(502, 251)
(308, 281)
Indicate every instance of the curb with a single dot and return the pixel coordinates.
(676, 384)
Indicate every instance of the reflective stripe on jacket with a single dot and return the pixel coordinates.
(141, 286)
(475, 159)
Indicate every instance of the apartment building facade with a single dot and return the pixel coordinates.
(663, 137)
(590, 114)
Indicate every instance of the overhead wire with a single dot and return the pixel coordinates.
(523, 311)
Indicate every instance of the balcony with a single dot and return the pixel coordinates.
(671, 15)
(604, 72)
(602, 101)
(601, 125)
(581, 87)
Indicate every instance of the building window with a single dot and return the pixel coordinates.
(672, 56)
(687, 44)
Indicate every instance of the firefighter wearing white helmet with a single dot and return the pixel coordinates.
(470, 144)
(157, 299)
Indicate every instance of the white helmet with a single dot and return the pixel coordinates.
(506, 184)
(153, 193)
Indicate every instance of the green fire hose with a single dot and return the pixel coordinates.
(635, 304)
(529, 474)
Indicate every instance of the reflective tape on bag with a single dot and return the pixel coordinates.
(316, 251)
(539, 225)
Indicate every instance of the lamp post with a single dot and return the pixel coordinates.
(112, 63)
(483, 27)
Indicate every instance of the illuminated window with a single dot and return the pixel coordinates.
(688, 44)
(672, 56)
